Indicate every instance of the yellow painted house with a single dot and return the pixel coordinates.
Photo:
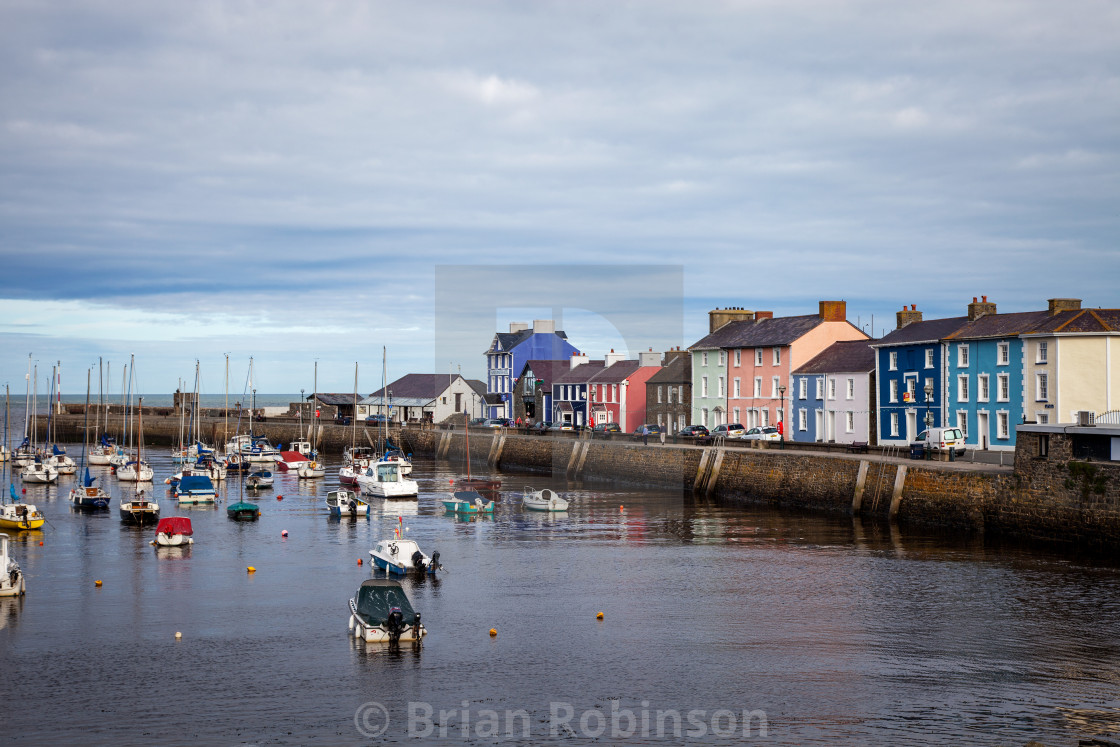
(1071, 362)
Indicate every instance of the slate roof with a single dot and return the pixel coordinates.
(335, 399)
(478, 386)
(546, 371)
(418, 386)
(507, 341)
(1083, 321)
(679, 371)
(931, 331)
(999, 325)
(759, 333)
(580, 374)
(842, 357)
(616, 373)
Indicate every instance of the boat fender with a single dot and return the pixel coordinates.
(350, 625)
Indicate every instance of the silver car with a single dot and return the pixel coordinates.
(762, 433)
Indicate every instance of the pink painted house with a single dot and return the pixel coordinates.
(761, 353)
(618, 392)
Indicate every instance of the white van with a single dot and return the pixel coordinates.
(941, 439)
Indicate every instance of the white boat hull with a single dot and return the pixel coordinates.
(39, 474)
(130, 474)
(395, 556)
(543, 500)
(398, 489)
(173, 540)
(309, 470)
(379, 634)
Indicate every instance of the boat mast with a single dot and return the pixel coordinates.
(225, 410)
(384, 415)
(196, 414)
(35, 412)
(139, 445)
(97, 411)
(85, 430)
(27, 400)
(131, 379)
(124, 406)
(315, 411)
(354, 419)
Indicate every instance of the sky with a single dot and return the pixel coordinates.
(292, 181)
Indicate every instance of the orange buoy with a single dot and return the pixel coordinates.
(359, 561)
(40, 543)
(493, 632)
(250, 569)
(599, 616)
(284, 533)
(279, 497)
(97, 582)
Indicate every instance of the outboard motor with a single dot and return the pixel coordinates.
(434, 565)
(353, 507)
(395, 625)
(416, 629)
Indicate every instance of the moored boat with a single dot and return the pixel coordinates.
(89, 496)
(195, 489)
(39, 473)
(139, 510)
(174, 531)
(344, 502)
(12, 583)
(384, 479)
(400, 556)
(468, 502)
(310, 470)
(543, 500)
(258, 480)
(243, 511)
(381, 613)
(20, 516)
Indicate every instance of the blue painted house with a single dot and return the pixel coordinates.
(985, 396)
(832, 396)
(906, 361)
(510, 351)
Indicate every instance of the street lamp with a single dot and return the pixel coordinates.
(929, 418)
(782, 415)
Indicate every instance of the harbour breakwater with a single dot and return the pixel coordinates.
(1055, 500)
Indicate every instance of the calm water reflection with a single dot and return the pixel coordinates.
(840, 633)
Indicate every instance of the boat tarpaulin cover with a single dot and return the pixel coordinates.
(87, 479)
(174, 525)
(376, 596)
(195, 483)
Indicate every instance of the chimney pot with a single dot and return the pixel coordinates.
(913, 307)
(974, 299)
(985, 298)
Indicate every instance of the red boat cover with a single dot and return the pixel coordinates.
(293, 456)
(174, 525)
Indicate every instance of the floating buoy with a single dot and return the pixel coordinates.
(621, 509)
(450, 482)
(97, 582)
(599, 616)
(359, 561)
(493, 632)
(279, 497)
(251, 569)
(23, 490)
(178, 635)
(40, 543)
(284, 533)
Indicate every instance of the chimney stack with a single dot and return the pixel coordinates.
(908, 316)
(518, 327)
(979, 309)
(672, 355)
(719, 317)
(763, 315)
(612, 358)
(833, 311)
(649, 358)
(578, 359)
(1058, 305)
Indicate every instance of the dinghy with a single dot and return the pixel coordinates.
(400, 556)
(381, 613)
(468, 502)
(543, 500)
(343, 502)
(174, 531)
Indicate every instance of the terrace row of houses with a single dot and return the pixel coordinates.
(818, 375)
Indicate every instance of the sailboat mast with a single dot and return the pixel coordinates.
(354, 419)
(35, 412)
(27, 399)
(384, 415)
(225, 410)
(124, 406)
(131, 379)
(315, 410)
(85, 425)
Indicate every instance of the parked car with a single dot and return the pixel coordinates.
(476, 422)
(652, 429)
(729, 430)
(561, 426)
(377, 418)
(941, 439)
(762, 433)
(497, 423)
(342, 419)
(693, 430)
(606, 428)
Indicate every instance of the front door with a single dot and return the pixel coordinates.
(831, 425)
(982, 429)
(911, 425)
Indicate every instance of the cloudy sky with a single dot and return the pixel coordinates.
(288, 180)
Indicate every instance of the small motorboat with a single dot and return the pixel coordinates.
(343, 502)
(195, 489)
(310, 469)
(12, 583)
(381, 613)
(468, 502)
(543, 500)
(400, 556)
(291, 460)
(384, 479)
(20, 516)
(174, 531)
(258, 480)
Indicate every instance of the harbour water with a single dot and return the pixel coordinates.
(831, 631)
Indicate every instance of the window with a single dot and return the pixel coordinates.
(703, 386)
(736, 390)
(1042, 352)
(765, 417)
(738, 357)
(1042, 387)
(929, 357)
(1043, 418)
(668, 394)
(658, 420)
(851, 421)
(801, 387)
(894, 423)
(832, 388)
(1003, 424)
(777, 356)
(1003, 381)
(582, 392)
(720, 386)
(704, 417)
(735, 411)
(758, 386)
(680, 394)
(911, 388)
(962, 421)
(893, 357)
(982, 388)
(1003, 353)
(774, 386)
(722, 357)
(659, 397)
(894, 390)
(802, 419)
(704, 359)
(962, 356)
(615, 393)
(680, 422)
(1044, 444)
(962, 388)
(851, 389)
(758, 356)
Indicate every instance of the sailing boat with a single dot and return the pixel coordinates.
(313, 468)
(58, 458)
(106, 446)
(247, 447)
(356, 459)
(87, 495)
(243, 510)
(386, 477)
(136, 470)
(139, 510)
(474, 483)
(38, 471)
(13, 514)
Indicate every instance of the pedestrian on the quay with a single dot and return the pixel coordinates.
(645, 436)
